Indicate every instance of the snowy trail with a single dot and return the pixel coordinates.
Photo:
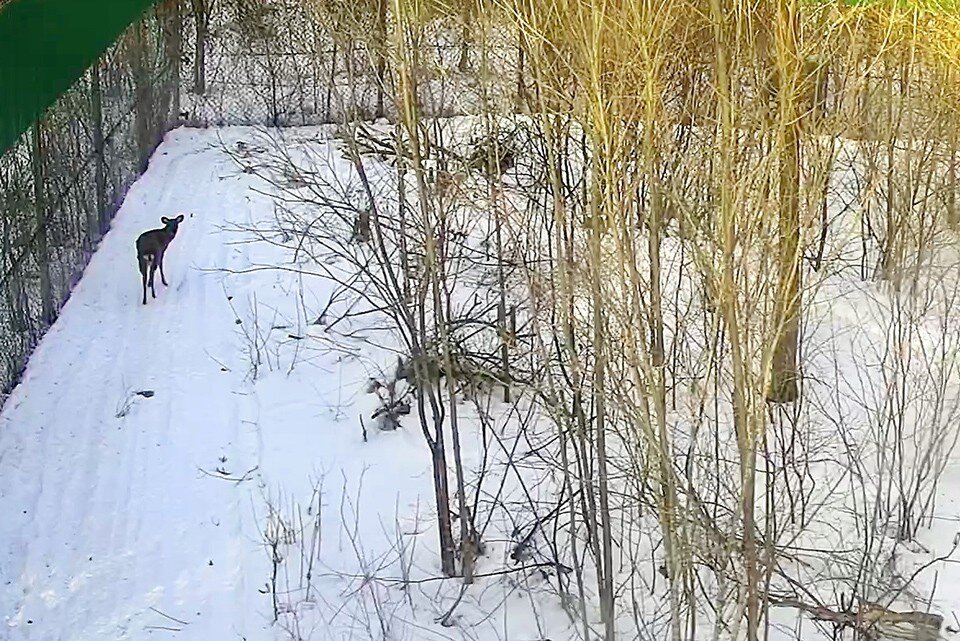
(107, 517)
(114, 523)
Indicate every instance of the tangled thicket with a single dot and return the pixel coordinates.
(691, 183)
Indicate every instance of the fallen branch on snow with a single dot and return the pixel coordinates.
(224, 475)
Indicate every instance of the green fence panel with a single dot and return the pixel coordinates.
(46, 46)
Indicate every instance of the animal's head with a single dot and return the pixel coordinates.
(171, 224)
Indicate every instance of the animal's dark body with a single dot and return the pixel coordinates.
(151, 246)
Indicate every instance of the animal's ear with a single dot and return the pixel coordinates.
(180, 218)
(164, 220)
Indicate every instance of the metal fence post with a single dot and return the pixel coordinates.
(142, 101)
(100, 166)
(175, 24)
(40, 240)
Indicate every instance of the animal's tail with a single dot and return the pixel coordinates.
(146, 261)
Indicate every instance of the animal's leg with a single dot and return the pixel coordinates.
(163, 279)
(143, 272)
(153, 270)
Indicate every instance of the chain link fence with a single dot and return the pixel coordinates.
(292, 62)
(63, 180)
(200, 63)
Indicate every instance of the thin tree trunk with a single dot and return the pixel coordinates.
(730, 310)
(441, 490)
(409, 116)
(468, 542)
(952, 218)
(784, 387)
(174, 32)
(607, 596)
(601, 202)
(201, 22)
(463, 64)
(655, 219)
(381, 55)
(784, 379)
(327, 101)
(521, 69)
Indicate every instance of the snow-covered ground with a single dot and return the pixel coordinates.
(108, 516)
(152, 453)
(114, 509)
(191, 468)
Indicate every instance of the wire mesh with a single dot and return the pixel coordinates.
(62, 181)
(200, 63)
